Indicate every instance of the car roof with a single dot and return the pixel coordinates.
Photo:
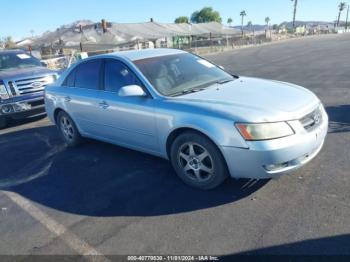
(11, 51)
(146, 53)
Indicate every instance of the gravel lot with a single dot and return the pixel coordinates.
(100, 198)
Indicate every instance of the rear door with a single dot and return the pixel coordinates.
(82, 96)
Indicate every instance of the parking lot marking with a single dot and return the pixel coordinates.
(61, 231)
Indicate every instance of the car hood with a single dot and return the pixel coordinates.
(255, 100)
(24, 72)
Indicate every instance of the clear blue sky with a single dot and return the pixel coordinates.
(18, 17)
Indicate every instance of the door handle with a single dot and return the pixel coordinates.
(103, 105)
(67, 99)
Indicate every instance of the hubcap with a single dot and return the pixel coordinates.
(196, 162)
(67, 128)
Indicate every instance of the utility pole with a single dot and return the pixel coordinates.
(81, 38)
(104, 25)
(335, 22)
(294, 12)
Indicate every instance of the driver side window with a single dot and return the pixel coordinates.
(117, 75)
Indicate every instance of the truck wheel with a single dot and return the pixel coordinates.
(68, 129)
(198, 161)
(3, 122)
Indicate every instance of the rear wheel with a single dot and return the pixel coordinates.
(68, 129)
(198, 161)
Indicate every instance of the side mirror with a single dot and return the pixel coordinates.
(131, 90)
(44, 64)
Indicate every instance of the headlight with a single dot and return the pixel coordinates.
(264, 131)
(50, 79)
(3, 91)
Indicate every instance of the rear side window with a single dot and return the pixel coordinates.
(118, 75)
(87, 75)
(70, 79)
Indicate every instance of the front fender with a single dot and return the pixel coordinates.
(222, 132)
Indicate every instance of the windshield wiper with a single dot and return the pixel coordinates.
(192, 90)
(220, 82)
(187, 91)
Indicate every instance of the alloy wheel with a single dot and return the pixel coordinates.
(196, 162)
(67, 128)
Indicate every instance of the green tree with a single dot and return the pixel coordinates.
(205, 15)
(341, 6)
(275, 27)
(242, 14)
(229, 21)
(182, 19)
(294, 11)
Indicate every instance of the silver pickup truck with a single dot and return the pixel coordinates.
(22, 82)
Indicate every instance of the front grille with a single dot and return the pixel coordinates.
(12, 88)
(31, 85)
(312, 120)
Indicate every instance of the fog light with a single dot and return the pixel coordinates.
(6, 109)
(276, 167)
(18, 107)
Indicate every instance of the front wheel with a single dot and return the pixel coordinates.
(68, 129)
(198, 161)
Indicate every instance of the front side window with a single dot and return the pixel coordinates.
(178, 74)
(118, 75)
(87, 74)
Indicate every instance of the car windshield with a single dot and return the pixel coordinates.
(17, 60)
(174, 75)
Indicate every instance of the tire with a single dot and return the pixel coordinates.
(198, 161)
(3, 122)
(68, 129)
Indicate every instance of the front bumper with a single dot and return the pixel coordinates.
(286, 154)
(21, 108)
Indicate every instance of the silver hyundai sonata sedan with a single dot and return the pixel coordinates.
(181, 107)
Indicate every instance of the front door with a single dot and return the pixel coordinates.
(129, 121)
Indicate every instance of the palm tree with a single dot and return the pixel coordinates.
(243, 14)
(267, 21)
(341, 6)
(250, 25)
(347, 18)
(229, 21)
(294, 11)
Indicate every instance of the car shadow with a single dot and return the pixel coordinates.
(22, 121)
(339, 118)
(99, 179)
(333, 248)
